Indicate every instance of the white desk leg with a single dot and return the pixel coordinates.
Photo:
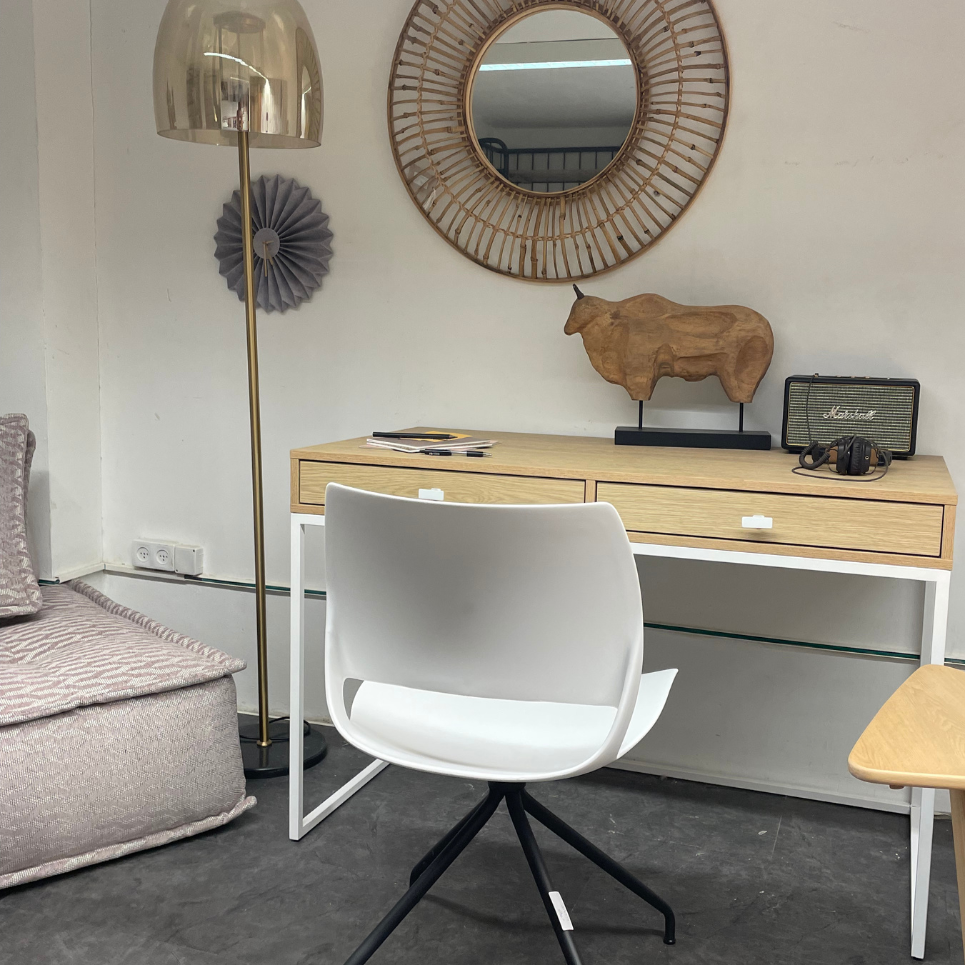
(299, 824)
(934, 625)
(337, 799)
(296, 700)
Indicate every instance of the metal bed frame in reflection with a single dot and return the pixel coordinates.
(527, 166)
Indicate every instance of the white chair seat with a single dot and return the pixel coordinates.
(494, 739)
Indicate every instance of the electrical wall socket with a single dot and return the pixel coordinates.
(169, 557)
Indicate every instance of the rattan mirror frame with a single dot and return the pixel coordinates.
(683, 95)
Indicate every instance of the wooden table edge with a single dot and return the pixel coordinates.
(873, 775)
(731, 484)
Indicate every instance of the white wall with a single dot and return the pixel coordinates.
(835, 209)
(68, 244)
(22, 374)
(48, 309)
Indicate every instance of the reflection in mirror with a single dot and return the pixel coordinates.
(553, 100)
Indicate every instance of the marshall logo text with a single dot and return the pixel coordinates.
(838, 413)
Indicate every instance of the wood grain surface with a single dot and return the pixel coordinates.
(637, 341)
(790, 549)
(922, 479)
(917, 739)
(475, 487)
(821, 521)
(694, 496)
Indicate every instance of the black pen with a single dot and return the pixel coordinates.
(441, 436)
(454, 452)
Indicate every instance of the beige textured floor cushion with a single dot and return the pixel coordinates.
(116, 734)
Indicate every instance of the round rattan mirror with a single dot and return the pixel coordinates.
(555, 139)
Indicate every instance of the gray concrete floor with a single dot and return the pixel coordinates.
(753, 878)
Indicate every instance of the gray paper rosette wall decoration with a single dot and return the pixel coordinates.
(291, 240)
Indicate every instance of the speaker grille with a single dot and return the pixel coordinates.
(820, 411)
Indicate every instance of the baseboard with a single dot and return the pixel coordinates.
(768, 787)
(219, 582)
(76, 572)
(317, 721)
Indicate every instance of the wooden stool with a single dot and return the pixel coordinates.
(918, 740)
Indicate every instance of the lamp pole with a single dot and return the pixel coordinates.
(254, 404)
(227, 72)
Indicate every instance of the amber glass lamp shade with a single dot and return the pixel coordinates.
(221, 66)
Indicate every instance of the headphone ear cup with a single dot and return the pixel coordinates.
(860, 457)
(842, 463)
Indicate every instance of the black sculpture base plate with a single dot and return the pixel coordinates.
(692, 438)
(272, 761)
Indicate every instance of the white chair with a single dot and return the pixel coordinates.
(496, 643)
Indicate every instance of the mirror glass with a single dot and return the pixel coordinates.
(553, 100)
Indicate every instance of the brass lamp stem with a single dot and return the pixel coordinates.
(255, 406)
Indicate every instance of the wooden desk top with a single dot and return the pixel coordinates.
(921, 479)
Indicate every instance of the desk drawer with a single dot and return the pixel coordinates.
(913, 529)
(459, 487)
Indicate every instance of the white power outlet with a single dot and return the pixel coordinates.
(168, 557)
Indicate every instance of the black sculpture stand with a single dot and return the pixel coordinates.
(519, 803)
(692, 438)
(272, 761)
(641, 435)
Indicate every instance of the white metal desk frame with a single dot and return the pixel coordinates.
(934, 626)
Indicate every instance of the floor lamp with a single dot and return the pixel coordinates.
(244, 73)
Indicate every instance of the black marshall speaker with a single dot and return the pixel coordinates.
(819, 408)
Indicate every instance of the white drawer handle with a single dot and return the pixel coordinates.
(757, 522)
(432, 494)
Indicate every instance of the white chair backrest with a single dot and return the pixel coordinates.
(515, 602)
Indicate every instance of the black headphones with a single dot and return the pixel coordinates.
(848, 455)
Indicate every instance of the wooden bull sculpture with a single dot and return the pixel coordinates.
(639, 340)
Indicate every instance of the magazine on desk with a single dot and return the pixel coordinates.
(454, 442)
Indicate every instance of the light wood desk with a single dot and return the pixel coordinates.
(706, 504)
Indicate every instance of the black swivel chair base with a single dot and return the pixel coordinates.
(518, 800)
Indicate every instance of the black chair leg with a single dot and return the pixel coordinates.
(557, 915)
(429, 877)
(603, 860)
(444, 842)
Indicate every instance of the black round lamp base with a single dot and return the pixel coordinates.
(272, 761)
